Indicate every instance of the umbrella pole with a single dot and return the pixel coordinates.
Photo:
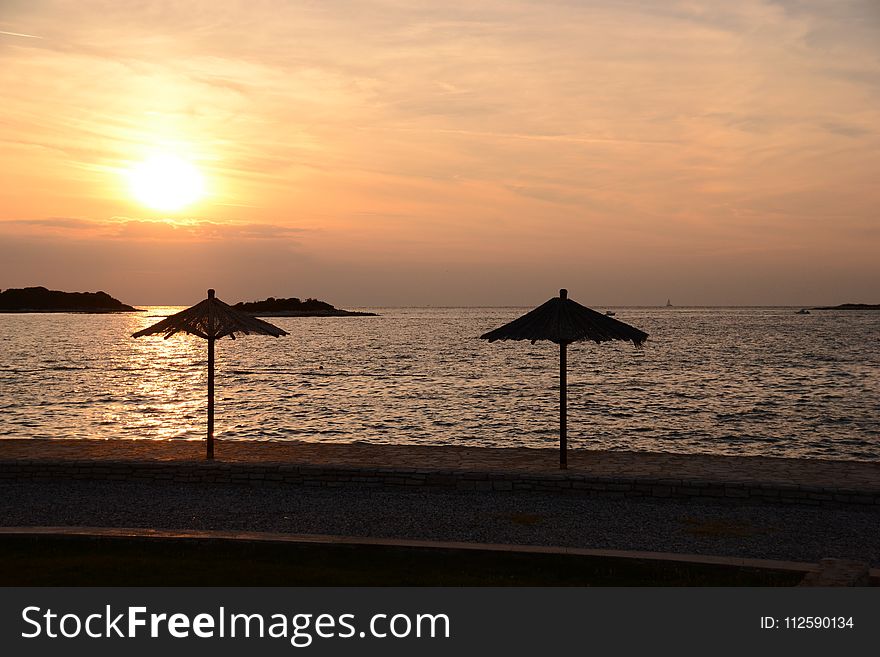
(210, 454)
(563, 402)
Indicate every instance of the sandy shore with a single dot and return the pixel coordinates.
(856, 475)
(765, 531)
(526, 517)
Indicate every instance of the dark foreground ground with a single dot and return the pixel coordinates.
(134, 561)
(793, 533)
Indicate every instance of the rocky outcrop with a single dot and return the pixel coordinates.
(293, 307)
(41, 300)
(851, 306)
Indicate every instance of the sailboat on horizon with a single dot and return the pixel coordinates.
(668, 303)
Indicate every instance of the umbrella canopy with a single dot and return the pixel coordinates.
(211, 320)
(564, 321)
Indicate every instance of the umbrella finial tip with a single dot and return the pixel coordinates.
(563, 293)
(211, 293)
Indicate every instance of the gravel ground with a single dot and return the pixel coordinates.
(764, 532)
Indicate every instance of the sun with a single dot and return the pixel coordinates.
(166, 182)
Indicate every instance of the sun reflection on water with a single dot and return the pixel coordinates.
(168, 373)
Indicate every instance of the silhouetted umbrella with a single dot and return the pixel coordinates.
(563, 321)
(211, 319)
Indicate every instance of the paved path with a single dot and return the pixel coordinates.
(168, 485)
(855, 475)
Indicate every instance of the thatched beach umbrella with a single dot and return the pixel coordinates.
(564, 321)
(211, 319)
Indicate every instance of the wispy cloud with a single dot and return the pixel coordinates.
(177, 230)
(20, 34)
(65, 223)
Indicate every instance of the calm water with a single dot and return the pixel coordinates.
(726, 381)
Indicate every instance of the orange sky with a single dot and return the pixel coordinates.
(398, 152)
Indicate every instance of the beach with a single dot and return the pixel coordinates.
(387, 438)
(783, 475)
(452, 494)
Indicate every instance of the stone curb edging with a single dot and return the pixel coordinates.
(840, 572)
(333, 539)
(828, 572)
(335, 476)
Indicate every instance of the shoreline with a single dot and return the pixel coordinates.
(743, 479)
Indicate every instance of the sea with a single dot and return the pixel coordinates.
(733, 381)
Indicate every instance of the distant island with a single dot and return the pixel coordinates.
(41, 300)
(293, 307)
(851, 306)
